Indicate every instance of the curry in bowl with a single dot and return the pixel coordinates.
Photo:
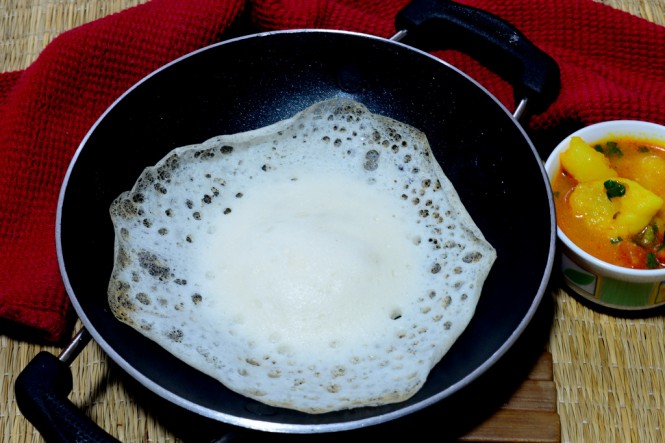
(609, 197)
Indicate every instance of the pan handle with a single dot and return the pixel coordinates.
(41, 395)
(490, 40)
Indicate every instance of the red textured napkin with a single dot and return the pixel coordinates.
(612, 66)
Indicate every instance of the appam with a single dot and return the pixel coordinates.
(321, 263)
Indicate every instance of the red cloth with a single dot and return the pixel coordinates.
(612, 67)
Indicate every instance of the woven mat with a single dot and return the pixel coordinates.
(609, 372)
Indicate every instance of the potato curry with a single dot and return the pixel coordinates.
(609, 199)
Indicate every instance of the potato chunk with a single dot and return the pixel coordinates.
(649, 171)
(589, 202)
(638, 207)
(622, 216)
(585, 163)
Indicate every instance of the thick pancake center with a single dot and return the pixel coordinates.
(335, 262)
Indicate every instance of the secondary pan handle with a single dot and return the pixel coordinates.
(41, 394)
(491, 41)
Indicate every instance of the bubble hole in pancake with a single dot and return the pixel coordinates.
(321, 263)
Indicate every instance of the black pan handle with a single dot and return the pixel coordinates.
(490, 40)
(41, 391)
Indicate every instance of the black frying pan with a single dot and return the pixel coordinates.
(257, 80)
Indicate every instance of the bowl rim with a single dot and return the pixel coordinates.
(591, 133)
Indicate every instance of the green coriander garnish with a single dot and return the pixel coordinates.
(613, 149)
(651, 261)
(614, 189)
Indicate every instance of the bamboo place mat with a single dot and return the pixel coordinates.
(608, 371)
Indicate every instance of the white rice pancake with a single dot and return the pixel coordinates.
(321, 263)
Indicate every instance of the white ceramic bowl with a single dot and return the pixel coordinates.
(596, 280)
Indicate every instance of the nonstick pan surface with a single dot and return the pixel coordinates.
(254, 81)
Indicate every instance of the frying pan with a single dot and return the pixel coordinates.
(256, 80)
